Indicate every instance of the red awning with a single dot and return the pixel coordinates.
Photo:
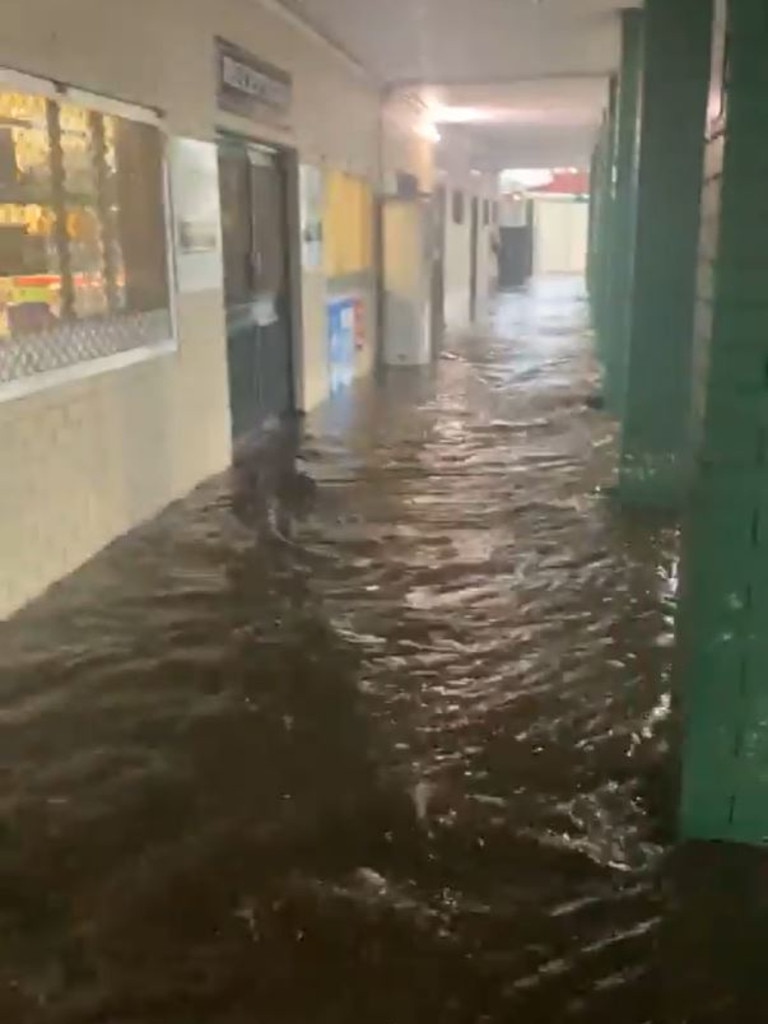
(565, 183)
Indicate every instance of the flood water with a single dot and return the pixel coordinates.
(379, 732)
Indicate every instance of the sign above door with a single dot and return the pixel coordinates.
(246, 85)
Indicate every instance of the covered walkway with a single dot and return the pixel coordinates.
(374, 729)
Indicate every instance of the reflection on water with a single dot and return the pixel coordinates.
(379, 734)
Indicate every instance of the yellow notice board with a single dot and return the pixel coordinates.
(347, 224)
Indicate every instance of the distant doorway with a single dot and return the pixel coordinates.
(256, 283)
(473, 240)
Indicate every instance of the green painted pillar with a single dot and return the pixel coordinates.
(621, 244)
(599, 185)
(723, 619)
(656, 416)
(604, 239)
(594, 202)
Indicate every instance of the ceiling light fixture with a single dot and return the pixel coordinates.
(429, 132)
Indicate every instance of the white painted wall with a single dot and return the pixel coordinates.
(458, 239)
(457, 257)
(487, 268)
(560, 230)
(85, 462)
(404, 146)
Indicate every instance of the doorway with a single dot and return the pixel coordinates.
(473, 239)
(252, 182)
(516, 244)
(439, 201)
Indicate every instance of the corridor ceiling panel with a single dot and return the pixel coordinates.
(460, 41)
(524, 82)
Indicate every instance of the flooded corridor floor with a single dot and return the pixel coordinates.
(376, 735)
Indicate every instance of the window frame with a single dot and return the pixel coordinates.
(34, 85)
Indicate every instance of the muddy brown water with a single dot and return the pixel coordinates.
(375, 729)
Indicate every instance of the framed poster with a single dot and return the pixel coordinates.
(342, 337)
(194, 177)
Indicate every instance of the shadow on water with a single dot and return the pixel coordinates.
(376, 728)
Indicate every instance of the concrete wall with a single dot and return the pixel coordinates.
(85, 461)
(560, 228)
(158, 53)
(404, 143)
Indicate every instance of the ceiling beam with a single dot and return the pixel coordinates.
(288, 12)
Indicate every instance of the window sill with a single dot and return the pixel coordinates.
(25, 387)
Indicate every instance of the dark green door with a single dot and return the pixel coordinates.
(255, 285)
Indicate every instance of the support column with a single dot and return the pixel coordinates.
(594, 202)
(598, 188)
(655, 461)
(723, 620)
(624, 215)
(604, 240)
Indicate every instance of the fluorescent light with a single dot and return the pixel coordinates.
(429, 131)
(463, 115)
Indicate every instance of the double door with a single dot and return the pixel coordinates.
(256, 284)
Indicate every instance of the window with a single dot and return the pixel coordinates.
(83, 244)
(458, 206)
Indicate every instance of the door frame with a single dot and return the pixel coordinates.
(474, 236)
(288, 160)
(437, 283)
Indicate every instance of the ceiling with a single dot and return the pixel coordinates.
(544, 122)
(533, 71)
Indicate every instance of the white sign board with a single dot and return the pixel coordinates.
(311, 202)
(194, 173)
(247, 84)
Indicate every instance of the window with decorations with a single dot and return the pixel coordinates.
(84, 267)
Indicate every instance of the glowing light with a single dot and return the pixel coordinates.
(430, 132)
(531, 177)
(463, 115)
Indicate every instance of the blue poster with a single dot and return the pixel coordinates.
(341, 342)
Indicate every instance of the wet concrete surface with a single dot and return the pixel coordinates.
(375, 732)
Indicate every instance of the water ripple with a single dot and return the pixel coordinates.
(375, 730)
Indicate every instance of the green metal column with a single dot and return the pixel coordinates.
(594, 202)
(656, 420)
(604, 240)
(723, 622)
(598, 188)
(622, 241)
